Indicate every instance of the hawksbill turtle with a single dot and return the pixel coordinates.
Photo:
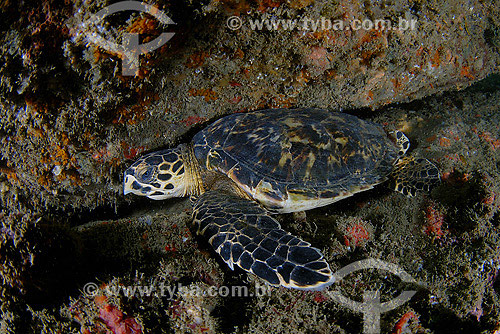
(247, 166)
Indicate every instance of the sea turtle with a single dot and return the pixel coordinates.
(247, 166)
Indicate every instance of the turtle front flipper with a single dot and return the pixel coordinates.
(243, 234)
(411, 175)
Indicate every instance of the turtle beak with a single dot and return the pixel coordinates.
(126, 190)
(126, 185)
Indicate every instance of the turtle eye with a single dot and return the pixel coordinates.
(147, 175)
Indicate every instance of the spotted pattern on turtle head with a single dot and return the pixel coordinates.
(158, 175)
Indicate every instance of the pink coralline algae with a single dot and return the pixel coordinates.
(115, 321)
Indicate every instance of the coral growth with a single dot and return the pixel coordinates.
(356, 232)
(434, 221)
(116, 322)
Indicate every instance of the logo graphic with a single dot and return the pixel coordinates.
(130, 49)
(234, 22)
(371, 307)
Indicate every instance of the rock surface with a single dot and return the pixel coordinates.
(70, 123)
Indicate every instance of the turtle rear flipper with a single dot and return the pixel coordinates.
(411, 175)
(243, 234)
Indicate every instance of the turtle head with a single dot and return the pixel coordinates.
(158, 175)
